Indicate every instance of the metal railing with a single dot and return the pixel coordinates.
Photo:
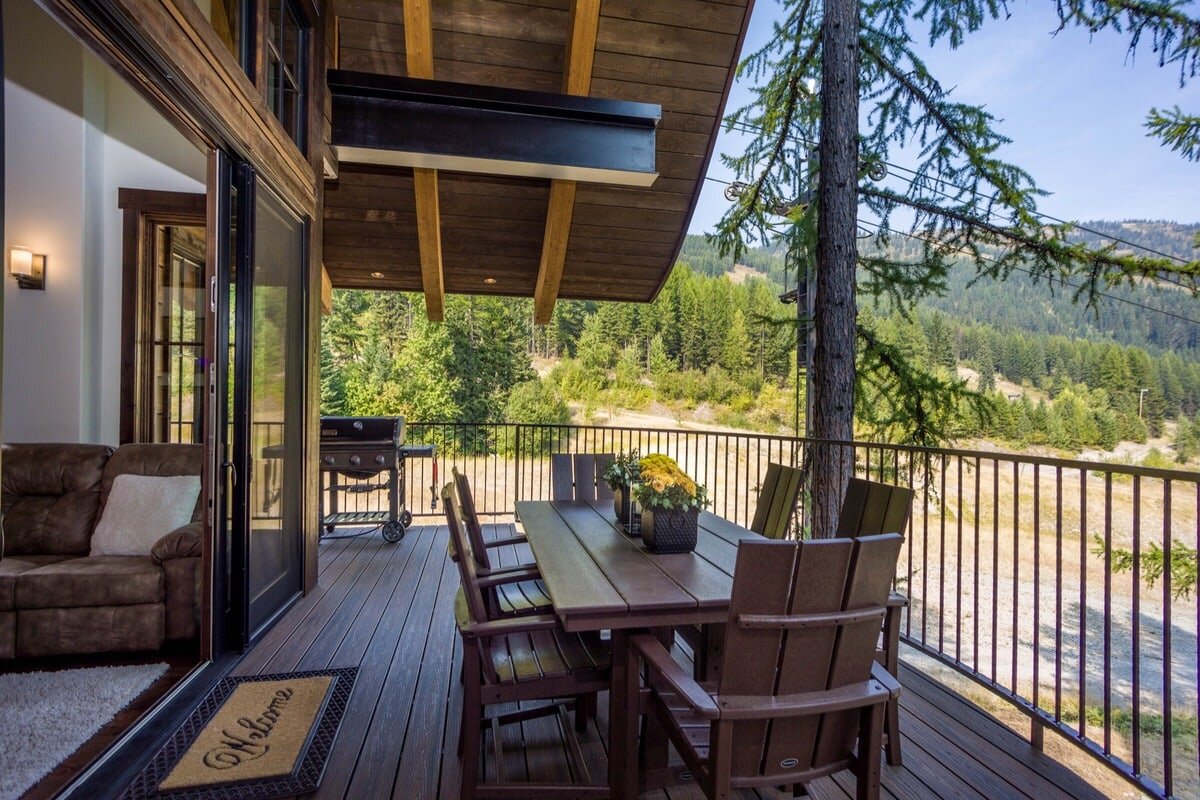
(1010, 563)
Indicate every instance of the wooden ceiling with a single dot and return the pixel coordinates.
(620, 243)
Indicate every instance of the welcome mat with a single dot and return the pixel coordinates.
(256, 736)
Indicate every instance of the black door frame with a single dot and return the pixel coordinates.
(231, 499)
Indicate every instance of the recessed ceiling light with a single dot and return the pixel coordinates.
(490, 281)
(376, 274)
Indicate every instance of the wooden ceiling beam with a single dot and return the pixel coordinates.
(577, 80)
(418, 49)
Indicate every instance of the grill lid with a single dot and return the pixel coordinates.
(362, 429)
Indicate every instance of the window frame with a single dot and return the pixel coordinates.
(144, 210)
(299, 74)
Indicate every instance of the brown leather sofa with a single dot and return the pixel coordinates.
(55, 599)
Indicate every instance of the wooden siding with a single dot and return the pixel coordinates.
(388, 609)
(622, 241)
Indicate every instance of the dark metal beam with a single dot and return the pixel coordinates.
(414, 122)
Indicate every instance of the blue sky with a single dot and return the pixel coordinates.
(1073, 105)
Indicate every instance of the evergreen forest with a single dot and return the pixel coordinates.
(718, 347)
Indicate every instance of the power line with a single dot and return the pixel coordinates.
(1064, 282)
(746, 127)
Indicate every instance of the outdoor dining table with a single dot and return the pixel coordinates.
(601, 578)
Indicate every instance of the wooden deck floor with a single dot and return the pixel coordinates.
(388, 610)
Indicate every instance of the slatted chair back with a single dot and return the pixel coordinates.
(804, 617)
(776, 501)
(468, 570)
(470, 519)
(871, 507)
(603, 490)
(575, 476)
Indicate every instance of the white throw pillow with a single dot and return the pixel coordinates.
(141, 509)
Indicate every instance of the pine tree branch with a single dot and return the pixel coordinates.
(1177, 130)
(1175, 35)
(1052, 255)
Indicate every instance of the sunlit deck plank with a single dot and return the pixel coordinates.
(389, 610)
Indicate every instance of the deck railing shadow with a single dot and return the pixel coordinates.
(1008, 562)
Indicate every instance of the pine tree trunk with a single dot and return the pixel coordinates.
(836, 310)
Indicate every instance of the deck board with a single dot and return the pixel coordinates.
(388, 608)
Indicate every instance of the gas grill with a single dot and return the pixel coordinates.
(360, 458)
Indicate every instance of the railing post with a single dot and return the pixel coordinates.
(517, 456)
(1037, 734)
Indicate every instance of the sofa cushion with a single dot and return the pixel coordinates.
(92, 581)
(13, 566)
(101, 629)
(50, 495)
(140, 510)
(153, 459)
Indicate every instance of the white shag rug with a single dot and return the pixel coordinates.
(46, 716)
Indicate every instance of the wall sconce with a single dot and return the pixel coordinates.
(28, 268)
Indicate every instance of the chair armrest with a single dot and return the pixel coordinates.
(897, 600)
(506, 541)
(661, 664)
(855, 695)
(514, 576)
(880, 673)
(501, 627)
(183, 542)
(524, 569)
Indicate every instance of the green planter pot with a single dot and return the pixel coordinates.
(670, 531)
(626, 510)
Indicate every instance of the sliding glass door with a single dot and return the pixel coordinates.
(260, 386)
(275, 389)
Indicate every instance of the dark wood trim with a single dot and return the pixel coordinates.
(144, 210)
(171, 53)
(316, 119)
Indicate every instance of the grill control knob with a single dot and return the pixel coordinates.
(355, 460)
(379, 459)
(328, 459)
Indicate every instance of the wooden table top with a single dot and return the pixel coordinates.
(599, 578)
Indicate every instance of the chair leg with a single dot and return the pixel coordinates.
(472, 711)
(867, 769)
(582, 706)
(891, 729)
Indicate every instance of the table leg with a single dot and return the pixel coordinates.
(623, 719)
(714, 651)
(654, 752)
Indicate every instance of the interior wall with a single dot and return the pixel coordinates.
(75, 133)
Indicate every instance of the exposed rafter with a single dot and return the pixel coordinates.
(418, 48)
(577, 79)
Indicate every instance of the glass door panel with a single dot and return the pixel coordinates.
(275, 406)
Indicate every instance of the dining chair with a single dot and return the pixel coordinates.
(871, 508)
(527, 594)
(800, 694)
(772, 514)
(576, 476)
(514, 660)
(776, 501)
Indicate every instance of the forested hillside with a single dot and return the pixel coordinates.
(723, 351)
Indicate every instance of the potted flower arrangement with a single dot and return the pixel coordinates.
(621, 475)
(671, 503)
